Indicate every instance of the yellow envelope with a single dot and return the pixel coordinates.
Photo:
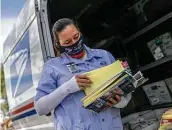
(102, 75)
(97, 95)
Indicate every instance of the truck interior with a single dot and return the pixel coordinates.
(124, 28)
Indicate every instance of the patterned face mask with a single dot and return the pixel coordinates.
(74, 49)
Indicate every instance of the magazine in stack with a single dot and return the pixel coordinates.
(106, 80)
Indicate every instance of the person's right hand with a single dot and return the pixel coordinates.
(83, 81)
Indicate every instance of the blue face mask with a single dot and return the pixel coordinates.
(74, 49)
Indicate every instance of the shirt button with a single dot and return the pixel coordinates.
(103, 119)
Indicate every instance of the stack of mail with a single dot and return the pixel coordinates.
(106, 80)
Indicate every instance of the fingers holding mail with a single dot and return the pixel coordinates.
(83, 81)
(112, 101)
(117, 91)
(113, 98)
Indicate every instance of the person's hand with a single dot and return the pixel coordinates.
(114, 98)
(83, 81)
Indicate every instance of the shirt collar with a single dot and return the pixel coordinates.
(91, 53)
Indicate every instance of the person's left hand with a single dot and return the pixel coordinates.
(115, 97)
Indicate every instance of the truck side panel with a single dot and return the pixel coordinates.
(23, 68)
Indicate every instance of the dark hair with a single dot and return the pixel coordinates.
(60, 25)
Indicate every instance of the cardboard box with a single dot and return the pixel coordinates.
(157, 93)
(161, 46)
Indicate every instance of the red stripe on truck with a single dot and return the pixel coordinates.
(28, 106)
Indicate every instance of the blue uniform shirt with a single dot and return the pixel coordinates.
(69, 114)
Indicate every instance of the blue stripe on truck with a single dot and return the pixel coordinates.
(29, 113)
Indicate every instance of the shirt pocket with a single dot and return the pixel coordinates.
(100, 62)
(117, 122)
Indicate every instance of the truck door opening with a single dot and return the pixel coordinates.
(125, 29)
